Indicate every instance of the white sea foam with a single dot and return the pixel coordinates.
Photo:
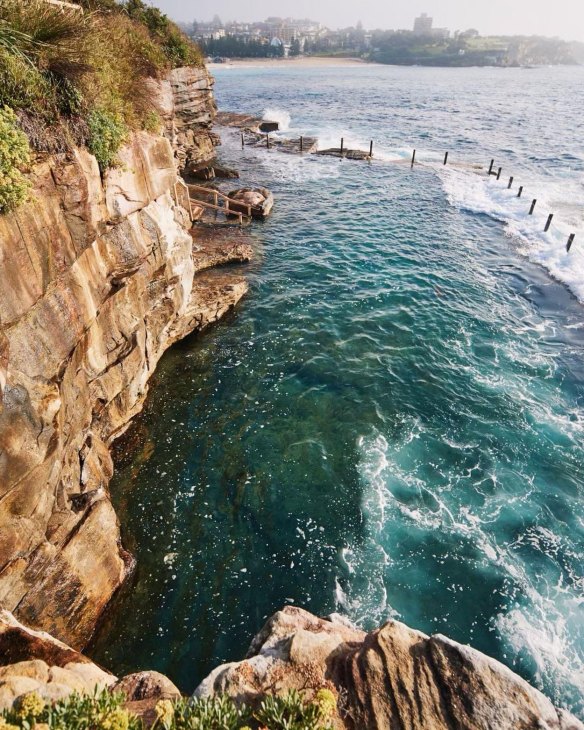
(278, 115)
(486, 195)
(539, 634)
(538, 629)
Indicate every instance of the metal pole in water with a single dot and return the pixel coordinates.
(371, 149)
(570, 241)
(301, 144)
(242, 140)
(510, 183)
(491, 167)
(549, 222)
(268, 140)
(520, 191)
(499, 171)
(342, 144)
(445, 157)
(413, 157)
(534, 201)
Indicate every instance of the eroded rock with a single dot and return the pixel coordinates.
(98, 280)
(394, 677)
(255, 201)
(35, 661)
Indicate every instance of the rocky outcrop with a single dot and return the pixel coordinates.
(33, 661)
(99, 277)
(257, 202)
(186, 103)
(394, 677)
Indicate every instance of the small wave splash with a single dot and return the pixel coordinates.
(278, 115)
(488, 196)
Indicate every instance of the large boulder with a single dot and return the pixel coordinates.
(257, 201)
(394, 677)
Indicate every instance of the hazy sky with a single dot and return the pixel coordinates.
(564, 18)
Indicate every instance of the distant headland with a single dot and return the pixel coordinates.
(422, 45)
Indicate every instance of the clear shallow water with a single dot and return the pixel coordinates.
(391, 424)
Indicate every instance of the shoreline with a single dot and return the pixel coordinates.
(300, 61)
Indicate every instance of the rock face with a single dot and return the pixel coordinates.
(186, 103)
(394, 677)
(98, 279)
(35, 661)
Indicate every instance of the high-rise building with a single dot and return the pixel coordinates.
(423, 25)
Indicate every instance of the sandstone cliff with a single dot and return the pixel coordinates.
(97, 279)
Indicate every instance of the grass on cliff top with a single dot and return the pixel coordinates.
(62, 69)
(105, 711)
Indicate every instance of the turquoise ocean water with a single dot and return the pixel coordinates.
(391, 424)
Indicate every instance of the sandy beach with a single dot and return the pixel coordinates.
(304, 61)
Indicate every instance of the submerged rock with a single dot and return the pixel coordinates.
(394, 677)
(346, 153)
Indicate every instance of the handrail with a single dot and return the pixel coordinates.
(180, 181)
(221, 195)
(217, 207)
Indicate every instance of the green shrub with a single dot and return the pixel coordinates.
(14, 154)
(292, 712)
(152, 122)
(107, 133)
(177, 47)
(105, 711)
(100, 711)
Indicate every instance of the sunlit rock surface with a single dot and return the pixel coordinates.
(98, 278)
(394, 677)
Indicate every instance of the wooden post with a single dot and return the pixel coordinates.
(520, 191)
(533, 202)
(491, 167)
(570, 241)
(548, 223)
(242, 140)
(371, 148)
(268, 140)
(510, 183)
(446, 158)
(413, 157)
(499, 171)
(342, 144)
(301, 144)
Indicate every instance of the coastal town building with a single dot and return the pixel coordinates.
(423, 24)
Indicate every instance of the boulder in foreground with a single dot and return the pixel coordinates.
(394, 677)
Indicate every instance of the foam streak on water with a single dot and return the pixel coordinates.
(392, 424)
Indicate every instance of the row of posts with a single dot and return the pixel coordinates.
(550, 217)
(302, 144)
(490, 172)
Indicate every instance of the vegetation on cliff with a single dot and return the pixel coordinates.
(105, 711)
(79, 76)
(14, 154)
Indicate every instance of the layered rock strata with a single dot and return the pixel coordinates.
(187, 106)
(98, 278)
(394, 677)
